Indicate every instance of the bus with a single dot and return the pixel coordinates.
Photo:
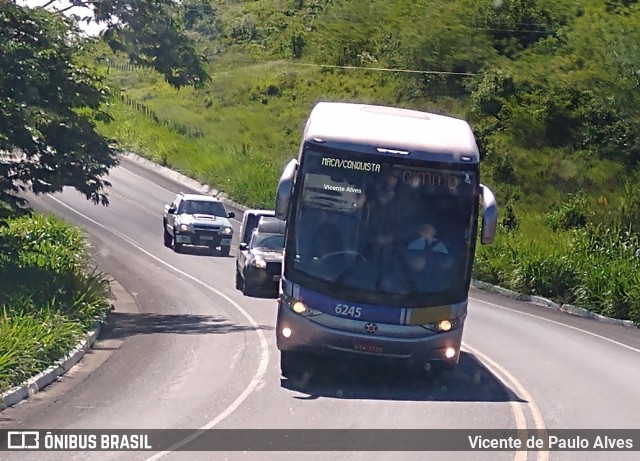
(381, 209)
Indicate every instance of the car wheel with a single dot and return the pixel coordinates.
(167, 238)
(224, 251)
(177, 247)
(247, 290)
(239, 280)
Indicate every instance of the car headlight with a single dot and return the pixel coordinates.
(227, 230)
(184, 228)
(259, 262)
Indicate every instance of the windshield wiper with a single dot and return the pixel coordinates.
(345, 274)
(408, 276)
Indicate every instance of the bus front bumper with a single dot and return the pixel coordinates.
(298, 333)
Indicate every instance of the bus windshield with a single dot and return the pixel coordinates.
(381, 229)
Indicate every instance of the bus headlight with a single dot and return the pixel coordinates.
(442, 326)
(226, 230)
(299, 307)
(259, 262)
(185, 228)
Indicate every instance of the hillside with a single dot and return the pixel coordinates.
(549, 86)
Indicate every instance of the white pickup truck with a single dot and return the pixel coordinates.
(194, 219)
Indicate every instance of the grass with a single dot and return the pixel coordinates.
(596, 267)
(252, 114)
(242, 151)
(50, 294)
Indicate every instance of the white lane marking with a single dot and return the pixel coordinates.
(264, 347)
(543, 455)
(163, 188)
(136, 204)
(595, 335)
(518, 414)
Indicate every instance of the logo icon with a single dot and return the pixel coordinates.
(23, 440)
(371, 328)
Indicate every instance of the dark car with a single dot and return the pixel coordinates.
(259, 262)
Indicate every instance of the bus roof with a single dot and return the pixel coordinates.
(390, 128)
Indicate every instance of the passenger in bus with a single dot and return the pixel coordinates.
(327, 238)
(427, 240)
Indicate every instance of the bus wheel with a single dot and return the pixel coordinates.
(291, 364)
(438, 368)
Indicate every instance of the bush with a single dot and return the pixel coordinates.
(608, 269)
(49, 295)
(542, 273)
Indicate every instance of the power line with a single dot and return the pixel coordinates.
(335, 66)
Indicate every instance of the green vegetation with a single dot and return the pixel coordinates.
(549, 86)
(49, 294)
(51, 99)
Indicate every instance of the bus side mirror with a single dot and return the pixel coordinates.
(489, 216)
(285, 190)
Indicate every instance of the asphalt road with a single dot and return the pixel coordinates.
(192, 352)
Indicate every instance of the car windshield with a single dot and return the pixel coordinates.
(271, 242)
(383, 227)
(202, 207)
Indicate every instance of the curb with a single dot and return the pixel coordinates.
(544, 302)
(537, 300)
(41, 380)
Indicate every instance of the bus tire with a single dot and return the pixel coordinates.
(290, 365)
(168, 240)
(438, 368)
(224, 251)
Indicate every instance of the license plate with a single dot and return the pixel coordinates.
(276, 278)
(206, 237)
(365, 347)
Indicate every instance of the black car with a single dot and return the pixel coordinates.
(259, 263)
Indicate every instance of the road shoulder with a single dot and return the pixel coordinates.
(90, 345)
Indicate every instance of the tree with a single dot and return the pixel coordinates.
(50, 102)
(151, 32)
(49, 105)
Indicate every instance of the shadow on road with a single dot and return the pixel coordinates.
(263, 293)
(202, 251)
(364, 379)
(122, 325)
